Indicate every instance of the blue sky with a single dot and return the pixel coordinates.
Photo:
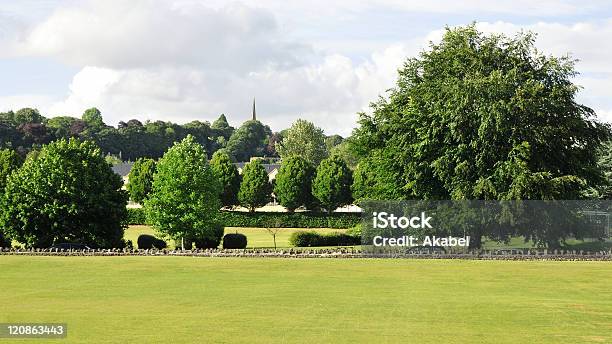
(319, 60)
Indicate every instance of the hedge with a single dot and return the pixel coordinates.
(136, 216)
(314, 239)
(289, 220)
(147, 242)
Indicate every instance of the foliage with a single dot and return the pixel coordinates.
(184, 199)
(27, 115)
(211, 241)
(255, 187)
(484, 117)
(332, 183)
(288, 220)
(147, 242)
(93, 118)
(314, 239)
(140, 179)
(9, 162)
(68, 193)
(305, 140)
(374, 179)
(345, 150)
(293, 186)
(228, 175)
(137, 216)
(248, 141)
(222, 128)
(234, 240)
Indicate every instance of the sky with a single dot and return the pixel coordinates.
(323, 61)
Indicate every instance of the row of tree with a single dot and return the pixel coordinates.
(299, 183)
(26, 129)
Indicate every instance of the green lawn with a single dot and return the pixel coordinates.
(256, 237)
(252, 300)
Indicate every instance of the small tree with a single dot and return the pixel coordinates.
(303, 139)
(184, 199)
(228, 175)
(67, 193)
(273, 231)
(255, 188)
(140, 179)
(293, 186)
(332, 183)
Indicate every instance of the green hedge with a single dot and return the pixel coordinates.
(314, 239)
(289, 220)
(136, 216)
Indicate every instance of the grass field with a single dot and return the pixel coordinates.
(223, 300)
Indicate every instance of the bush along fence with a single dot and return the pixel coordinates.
(136, 216)
(347, 252)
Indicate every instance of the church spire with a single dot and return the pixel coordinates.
(254, 113)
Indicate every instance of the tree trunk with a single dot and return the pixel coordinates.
(274, 237)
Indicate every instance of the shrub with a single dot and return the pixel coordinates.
(211, 241)
(304, 239)
(147, 242)
(234, 240)
(314, 239)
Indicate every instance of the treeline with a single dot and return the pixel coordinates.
(26, 129)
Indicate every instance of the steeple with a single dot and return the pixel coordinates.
(254, 114)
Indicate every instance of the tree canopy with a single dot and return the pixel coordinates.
(248, 141)
(184, 200)
(255, 187)
(140, 179)
(332, 183)
(228, 175)
(293, 186)
(67, 193)
(484, 117)
(304, 139)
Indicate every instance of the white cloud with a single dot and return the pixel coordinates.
(143, 33)
(186, 60)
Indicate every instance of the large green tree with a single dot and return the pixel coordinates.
(293, 186)
(67, 193)
(303, 139)
(485, 117)
(332, 183)
(140, 179)
(184, 200)
(228, 175)
(255, 187)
